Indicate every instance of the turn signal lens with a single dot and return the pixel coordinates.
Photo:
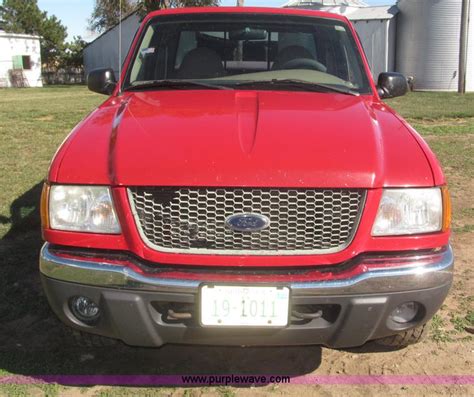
(447, 209)
(44, 212)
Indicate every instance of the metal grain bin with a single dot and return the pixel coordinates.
(428, 42)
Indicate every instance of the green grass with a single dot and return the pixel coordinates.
(455, 152)
(225, 392)
(438, 329)
(437, 113)
(434, 105)
(33, 122)
(459, 323)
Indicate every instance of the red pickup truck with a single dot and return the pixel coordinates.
(244, 184)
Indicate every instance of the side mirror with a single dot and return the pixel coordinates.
(391, 85)
(102, 81)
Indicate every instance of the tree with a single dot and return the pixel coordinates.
(106, 13)
(73, 54)
(24, 16)
(53, 34)
(21, 16)
(151, 5)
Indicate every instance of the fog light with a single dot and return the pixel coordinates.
(84, 309)
(405, 313)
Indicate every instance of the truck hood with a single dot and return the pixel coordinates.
(242, 138)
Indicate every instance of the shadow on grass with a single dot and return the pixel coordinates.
(33, 342)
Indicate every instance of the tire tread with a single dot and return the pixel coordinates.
(405, 338)
(84, 339)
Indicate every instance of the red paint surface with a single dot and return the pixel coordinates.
(241, 138)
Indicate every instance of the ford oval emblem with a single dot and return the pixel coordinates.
(247, 222)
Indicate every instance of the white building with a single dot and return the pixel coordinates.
(103, 52)
(20, 60)
(376, 27)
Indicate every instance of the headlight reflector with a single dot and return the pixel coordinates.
(82, 209)
(409, 211)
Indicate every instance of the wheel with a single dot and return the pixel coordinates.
(405, 338)
(84, 339)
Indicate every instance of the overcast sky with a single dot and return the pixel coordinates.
(75, 13)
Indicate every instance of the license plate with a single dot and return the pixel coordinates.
(241, 306)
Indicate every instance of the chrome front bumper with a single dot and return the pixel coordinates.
(411, 276)
(357, 302)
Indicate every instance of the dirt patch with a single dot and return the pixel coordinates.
(45, 118)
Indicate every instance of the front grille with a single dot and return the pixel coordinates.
(193, 220)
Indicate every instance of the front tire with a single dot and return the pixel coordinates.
(405, 338)
(85, 339)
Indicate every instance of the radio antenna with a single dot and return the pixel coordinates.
(120, 48)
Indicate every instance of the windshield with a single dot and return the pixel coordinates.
(238, 50)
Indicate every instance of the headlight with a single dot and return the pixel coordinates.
(409, 211)
(82, 209)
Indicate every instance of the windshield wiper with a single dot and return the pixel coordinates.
(190, 84)
(302, 84)
(176, 84)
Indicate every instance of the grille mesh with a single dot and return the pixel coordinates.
(194, 219)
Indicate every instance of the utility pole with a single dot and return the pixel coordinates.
(463, 46)
(240, 46)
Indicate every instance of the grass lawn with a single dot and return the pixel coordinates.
(33, 122)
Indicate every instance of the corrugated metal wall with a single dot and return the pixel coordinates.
(428, 42)
(378, 36)
(104, 51)
(378, 39)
